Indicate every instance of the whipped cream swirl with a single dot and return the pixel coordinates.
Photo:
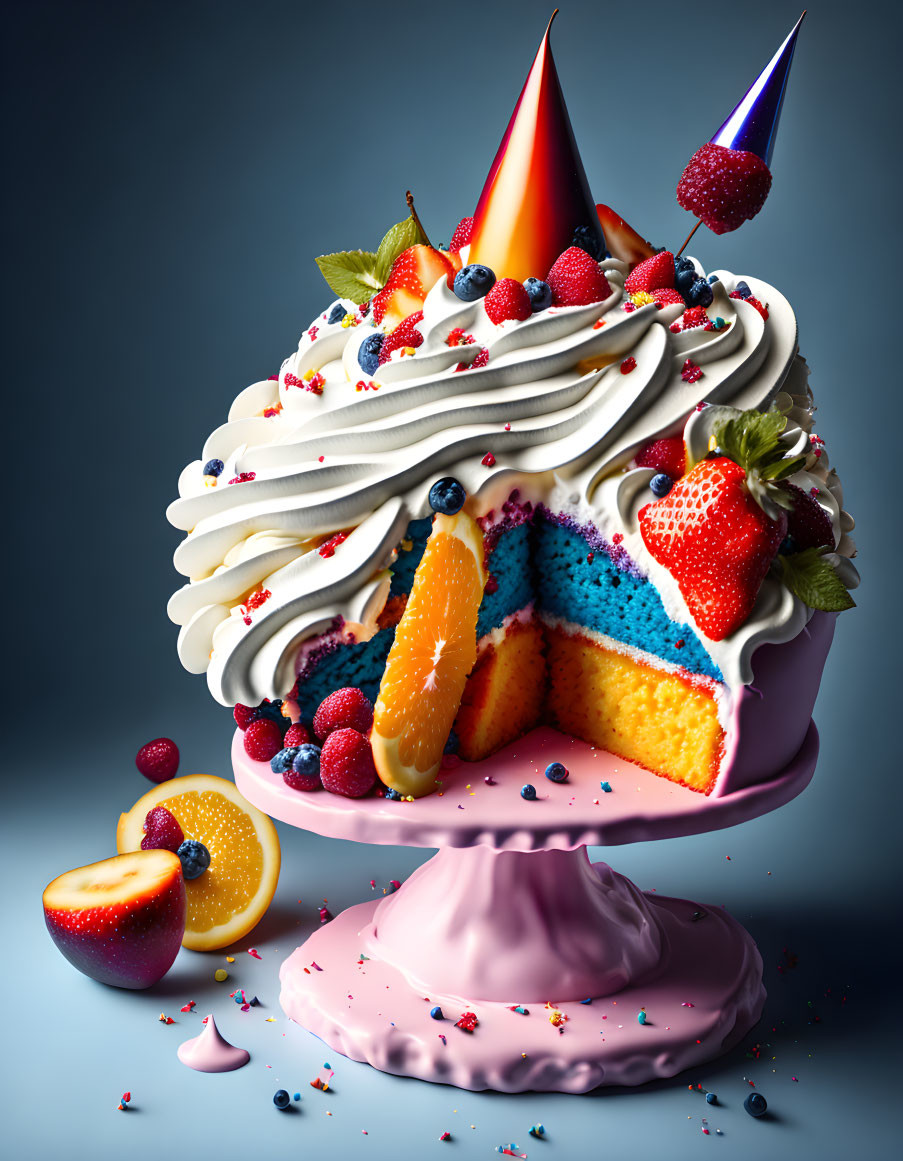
(326, 449)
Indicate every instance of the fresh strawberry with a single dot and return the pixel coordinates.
(576, 279)
(666, 296)
(296, 735)
(348, 707)
(461, 236)
(346, 764)
(716, 541)
(404, 335)
(694, 317)
(622, 240)
(161, 831)
(807, 522)
(507, 300)
(654, 273)
(664, 455)
(724, 187)
(413, 275)
(158, 760)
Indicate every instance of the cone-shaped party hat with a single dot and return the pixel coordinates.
(536, 195)
(753, 125)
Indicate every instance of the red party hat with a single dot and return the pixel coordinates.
(536, 200)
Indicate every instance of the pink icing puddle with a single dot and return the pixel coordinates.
(209, 1052)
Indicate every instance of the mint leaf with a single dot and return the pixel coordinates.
(351, 274)
(752, 438)
(811, 578)
(402, 236)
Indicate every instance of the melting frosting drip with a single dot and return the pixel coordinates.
(552, 406)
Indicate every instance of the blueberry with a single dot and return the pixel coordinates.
(684, 280)
(556, 772)
(281, 1099)
(437, 1013)
(447, 496)
(742, 288)
(393, 795)
(307, 760)
(451, 746)
(273, 711)
(712, 279)
(788, 546)
(368, 353)
(700, 293)
(661, 484)
(213, 467)
(539, 293)
(337, 313)
(473, 282)
(755, 1104)
(528, 792)
(684, 264)
(195, 858)
(282, 761)
(590, 239)
(711, 1098)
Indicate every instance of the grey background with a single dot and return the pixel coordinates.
(171, 171)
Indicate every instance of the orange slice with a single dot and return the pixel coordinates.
(230, 897)
(434, 650)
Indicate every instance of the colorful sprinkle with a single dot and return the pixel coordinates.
(220, 974)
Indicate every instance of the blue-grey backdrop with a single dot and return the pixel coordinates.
(171, 170)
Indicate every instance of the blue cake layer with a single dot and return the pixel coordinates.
(510, 567)
(360, 664)
(406, 563)
(609, 597)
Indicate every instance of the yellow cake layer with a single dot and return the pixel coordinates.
(504, 693)
(659, 720)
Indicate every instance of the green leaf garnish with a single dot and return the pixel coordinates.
(752, 438)
(400, 238)
(351, 274)
(812, 578)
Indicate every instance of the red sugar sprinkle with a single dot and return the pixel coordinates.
(488, 460)
(328, 549)
(617, 538)
(253, 951)
(243, 477)
(188, 1007)
(690, 372)
(628, 365)
(255, 600)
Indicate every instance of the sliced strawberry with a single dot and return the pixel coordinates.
(413, 275)
(576, 279)
(654, 273)
(622, 240)
(404, 335)
(716, 541)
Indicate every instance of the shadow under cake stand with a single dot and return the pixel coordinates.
(510, 921)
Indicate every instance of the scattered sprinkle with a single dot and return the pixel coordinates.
(253, 951)
(220, 974)
(606, 786)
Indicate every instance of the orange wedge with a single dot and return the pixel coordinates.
(230, 897)
(434, 650)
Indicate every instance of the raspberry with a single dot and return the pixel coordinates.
(576, 279)
(158, 760)
(724, 187)
(656, 273)
(807, 522)
(507, 300)
(404, 335)
(694, 317)
(666, 296)
(481, 358)
(345, 708)
(161, 831)
(263, 740)
(664, 455)
(461, 236)
(296, 735)
(346, 764)
(244, 715)
(753, 301)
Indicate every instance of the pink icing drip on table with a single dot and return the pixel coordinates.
(211, 1052)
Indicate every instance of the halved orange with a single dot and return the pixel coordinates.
(230, 897)
(434, 650)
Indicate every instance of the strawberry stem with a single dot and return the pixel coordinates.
(689, 236)
(409, 198)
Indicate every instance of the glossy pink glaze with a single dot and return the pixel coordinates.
(702, 995)
(211, 1052)
(640, 807)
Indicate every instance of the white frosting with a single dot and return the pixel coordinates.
(365, 459)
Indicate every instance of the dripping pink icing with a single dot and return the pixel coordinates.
(210, 1052)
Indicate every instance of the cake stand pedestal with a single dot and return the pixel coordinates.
(576, 977)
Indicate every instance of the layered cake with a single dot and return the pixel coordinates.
(611, 446)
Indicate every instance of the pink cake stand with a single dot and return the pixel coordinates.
(577, 978)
